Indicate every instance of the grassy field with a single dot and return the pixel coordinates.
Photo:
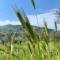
(33, 47)
(26, 51)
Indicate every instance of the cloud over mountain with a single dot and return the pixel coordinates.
(6, 22)
(37, 20)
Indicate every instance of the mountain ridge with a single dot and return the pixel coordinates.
(17, 28)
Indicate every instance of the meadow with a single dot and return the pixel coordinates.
(25, 51)
(33, 47)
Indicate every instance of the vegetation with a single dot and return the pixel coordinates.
(33, 47)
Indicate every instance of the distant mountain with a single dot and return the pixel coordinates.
(11, 28)
(20, 32)
(17, 28)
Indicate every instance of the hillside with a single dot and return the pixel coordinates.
(18, 28)
(11, 28)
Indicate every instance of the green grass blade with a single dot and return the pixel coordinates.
(33, 4)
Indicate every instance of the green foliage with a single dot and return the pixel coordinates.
(46, 35)
(57, 14)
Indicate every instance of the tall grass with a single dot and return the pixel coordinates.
(39, 50)
(26, 51)
(34, 48)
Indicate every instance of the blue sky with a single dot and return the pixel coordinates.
(42, 6)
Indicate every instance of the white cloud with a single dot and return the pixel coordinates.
(5, 22)
(37, 20)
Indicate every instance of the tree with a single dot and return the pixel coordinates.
(57, 18)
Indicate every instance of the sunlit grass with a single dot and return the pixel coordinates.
(24, 52)
(34, 47)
